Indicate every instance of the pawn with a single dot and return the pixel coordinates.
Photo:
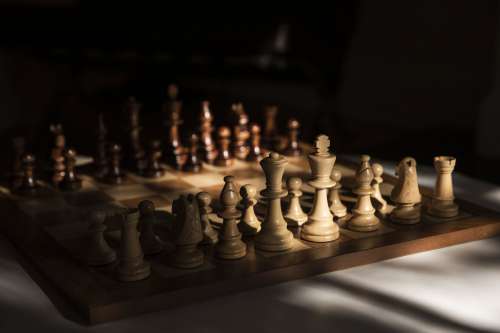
(98, 251)
(381, 204)
(295, 216)
(293, 148)
(224, 156)
(70, 182)
(210, 236)
(241, 135)
(187, 233)
(249, 224)
(132, 266)
(255, 152)
(364, 218)
(230, 245)
(150, 243)
(193, 163)
(115, 175)
(28, 183)
(154, 169)
(336, 206)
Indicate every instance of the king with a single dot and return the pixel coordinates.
(320, 226)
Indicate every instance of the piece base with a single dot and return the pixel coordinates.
(140, 273)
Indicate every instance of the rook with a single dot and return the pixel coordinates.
(442, 204)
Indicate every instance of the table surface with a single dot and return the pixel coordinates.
(455, 289)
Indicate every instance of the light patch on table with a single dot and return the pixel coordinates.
(204, 179)
(166, 176)
(124, 192)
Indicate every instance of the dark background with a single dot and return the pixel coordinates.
(387, 78)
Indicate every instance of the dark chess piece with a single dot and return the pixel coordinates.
(171, 104)
(101, 160)
(19, 148)
(230, 245)
(115, 175)
(187, 233)
(193, 163)
(58, 167)
(210, 236)
(132, 266)
(207, 144)
(70, 182)
(240, 137)
(154, 169)
(135, 151)
(174, 151)
(255, 152)
(98, 251)
(28, 184)
(224, 156)
(293, 148)
(150, 242)
(270, 139)
(59, 140)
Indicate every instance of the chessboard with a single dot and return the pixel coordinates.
(49, 230)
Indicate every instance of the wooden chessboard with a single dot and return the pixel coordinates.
(49, 230)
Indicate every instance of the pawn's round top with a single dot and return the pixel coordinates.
(274, 155)
(224, 132)
(365, 158)
(70, 153)
(248, 191)
(293, 123)
(294, 183)
(243, 119)
(28, 158)
(378, 169)
(336, 175)
(115, 148)
(228, 179)
(255, 128)
(204, 199)
(146, 207)
(193, 138)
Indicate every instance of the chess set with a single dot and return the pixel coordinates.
(179, 224)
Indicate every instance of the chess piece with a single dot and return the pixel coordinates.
(255, 152)
(336, 206)
(59, 140)
(154, 169)
(320, 226)
(363, 218)
(249, 223)
(71, 182)
(58, 167)
(115, 175)
(406, 194)
(98, 251)
(101, 159)
(132, 266)
(19, 148)
(135, 158)
(206, 129)
(150, 242)
(295, 216)
(274, 235)
(442, 204)
(381, 204)
(230, 245)
(241, 136)
(293, 148)
(210, 236)
(224, 156)
(28, 184)
(174, 151)
(193, 163)
(187, 233)
(270, 138)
